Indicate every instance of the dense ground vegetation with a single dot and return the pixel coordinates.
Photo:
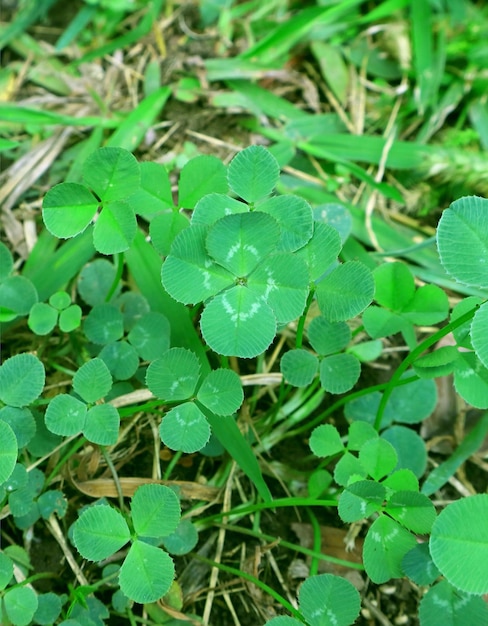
(237, 314)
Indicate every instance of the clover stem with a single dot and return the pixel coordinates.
(303, 317)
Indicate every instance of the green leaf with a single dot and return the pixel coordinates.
(428, 306)
(253, 174)
(65, 415)
(401, 480)
(6, 261)
(60, 300)
(360, 500)
(299, 367)
(70, 318)
(164, 228)
(102, 425)
(395, 286)
(96, 280)
(52, 501)
(366, 350)
(321, 250)
(378, 457)
(457, 538)
(48, 608)
(437, 363)
(154, 194)
(67, 209)
(419, 566)
(112, 173)
(214, 206)
(155, 511)
(8, 451)
(92, 381)
(115, 228)
(282, 281)
(462, 240)
(326, 441)
(221, 392)
(174, 376)
(349, 469)
(295, 219)
(6, 570)
(283, 620)
(188, 274)
(42, 318)
(104, 324)
(121, 359)
(462, 333)
(385, 546)
(359, 433)
(380, 322)
(150, 336)
(17, 296)
(328, 600)
(20, 605)
(99, 532)
(185, 428)
(410, 449)
(346, 291)
(239, 242)
(146, 574)
(471, 380)
(412, 403)
(328, 337)
(201, 175)
(339, 372)
(183, 539)
(238, 323)
(133, 306)
(412, 510)
(21, 379)
(457, 607)
(479, 333)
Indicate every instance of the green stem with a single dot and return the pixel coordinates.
(117, 277)
(292, 546)
(413, 356)
(171, 465)
(342, 401)
(81, 442)
(115, 476)
(274, 504)
(303, 317)
(263, 586)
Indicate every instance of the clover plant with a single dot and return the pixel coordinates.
(196, 287)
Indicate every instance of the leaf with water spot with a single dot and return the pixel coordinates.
(239, 323)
